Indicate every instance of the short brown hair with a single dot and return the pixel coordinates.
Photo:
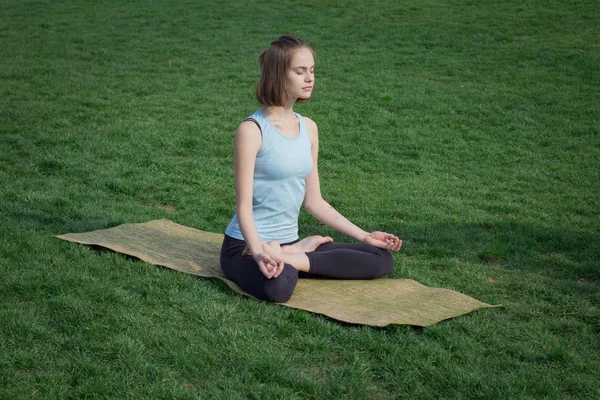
(274, 64)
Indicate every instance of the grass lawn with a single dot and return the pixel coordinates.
(470, 129)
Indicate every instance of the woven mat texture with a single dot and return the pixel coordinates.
(378, 302)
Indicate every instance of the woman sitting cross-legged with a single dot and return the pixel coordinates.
(276, 152)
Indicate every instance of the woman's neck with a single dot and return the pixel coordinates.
(279, 113)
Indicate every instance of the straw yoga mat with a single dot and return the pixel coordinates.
(378, 302)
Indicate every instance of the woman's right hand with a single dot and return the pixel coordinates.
(267, 265)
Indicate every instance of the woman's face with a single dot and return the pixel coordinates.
(300, 78)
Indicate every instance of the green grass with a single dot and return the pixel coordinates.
(470, 129)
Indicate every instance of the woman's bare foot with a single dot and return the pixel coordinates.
(270, 248)
(292, 255)
(274, 244)
(273, 249)
(307, 244)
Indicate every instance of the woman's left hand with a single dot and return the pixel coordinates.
(383, 240)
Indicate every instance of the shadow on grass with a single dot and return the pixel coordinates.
(60, 224)
(552, 251)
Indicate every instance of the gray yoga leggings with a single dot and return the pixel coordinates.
(330, 260)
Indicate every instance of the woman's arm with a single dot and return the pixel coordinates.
(324, 212)
(247, 144)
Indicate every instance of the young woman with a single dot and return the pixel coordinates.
(276, 152)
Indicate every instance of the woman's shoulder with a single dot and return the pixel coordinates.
(249, 128)
(252, 122)
(311, 127)
(309, 122)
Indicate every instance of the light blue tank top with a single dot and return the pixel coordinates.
(282, 165)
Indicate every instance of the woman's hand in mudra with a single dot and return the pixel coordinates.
(268, 263)
(383, 241)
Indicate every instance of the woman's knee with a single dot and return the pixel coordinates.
(385, 264)
(280, 289)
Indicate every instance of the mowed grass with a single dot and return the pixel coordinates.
(470, 129)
